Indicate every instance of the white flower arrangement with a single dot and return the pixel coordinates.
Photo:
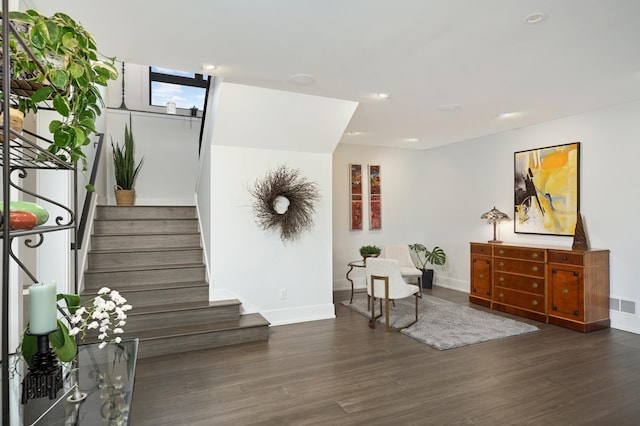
(106, 312)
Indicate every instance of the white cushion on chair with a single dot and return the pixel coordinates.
(400, 252)
(383, 267)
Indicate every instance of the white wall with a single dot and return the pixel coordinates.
(247, 262)
(404, 197)
(477, 174)
(256, 265)
(169, 145)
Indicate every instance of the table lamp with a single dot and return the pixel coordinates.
(494, 216)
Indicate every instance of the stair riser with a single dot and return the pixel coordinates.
(158, 258)
(162, 296)
(145, 212)
(109, 227)
(121, 279)
(110, 242)
(177, 344)
(185, 318)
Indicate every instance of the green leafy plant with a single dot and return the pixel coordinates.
(370, 251)
(425, 256)
(67, 73)
(126, 170)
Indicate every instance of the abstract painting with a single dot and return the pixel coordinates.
(375, 200)
(547, 190)
(355, 196)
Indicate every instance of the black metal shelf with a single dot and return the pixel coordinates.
(20, 152)
(24, 153)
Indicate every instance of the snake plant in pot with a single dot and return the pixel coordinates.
(426, 257)
(125, 167)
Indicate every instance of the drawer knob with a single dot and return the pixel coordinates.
(501, 264)
(534, 285)
(534, 302)
(481, 249)
(565, 291)
(534, 255)
(501, 295)
(501, 279)
(565, 258)
(481, 275)
(501, 251)
(534, 269)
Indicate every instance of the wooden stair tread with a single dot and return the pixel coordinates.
(151, 219)
(146, 233)
(157, 286)
(145, 267)
(185, 306)
(146, 249)
(245, 321)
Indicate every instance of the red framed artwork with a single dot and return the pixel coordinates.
(355, 197)
(375, 198)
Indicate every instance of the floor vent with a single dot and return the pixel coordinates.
(622, 305)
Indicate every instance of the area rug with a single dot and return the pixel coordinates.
(446, 325)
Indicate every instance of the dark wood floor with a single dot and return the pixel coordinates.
(340, 372)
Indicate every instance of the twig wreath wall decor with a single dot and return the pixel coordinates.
(284, 199)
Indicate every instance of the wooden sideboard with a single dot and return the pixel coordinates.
(565, 287)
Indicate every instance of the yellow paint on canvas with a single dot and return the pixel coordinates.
(554, 177)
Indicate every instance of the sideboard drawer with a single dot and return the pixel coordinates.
(535, 269)
(566, 258)
(524, 253)
(520, 282)
(519, 299)
(481, 249)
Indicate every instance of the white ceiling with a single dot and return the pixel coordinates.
(427, 54)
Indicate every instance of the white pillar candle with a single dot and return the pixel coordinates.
(42, 308)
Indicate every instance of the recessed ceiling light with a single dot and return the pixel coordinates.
(448, 107)
(383, 95)
(411, 140)
(208, 67)
(302, 79)
(535, 18)
(506, 115)
(352, 133)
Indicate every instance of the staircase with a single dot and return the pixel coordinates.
(152, 256)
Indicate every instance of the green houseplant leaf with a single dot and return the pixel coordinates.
(425, 256)
(69, 58)
(63, 345)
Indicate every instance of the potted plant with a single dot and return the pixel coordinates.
(64, 70)
(425, 257)
(126, 170)
(369, 251)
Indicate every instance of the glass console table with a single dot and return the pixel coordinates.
(106, 376)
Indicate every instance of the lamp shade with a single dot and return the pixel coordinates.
(494, 215)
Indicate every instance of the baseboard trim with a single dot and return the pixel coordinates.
(625, 322)
(299, 314)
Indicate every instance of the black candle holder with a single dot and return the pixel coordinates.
(45, 373)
